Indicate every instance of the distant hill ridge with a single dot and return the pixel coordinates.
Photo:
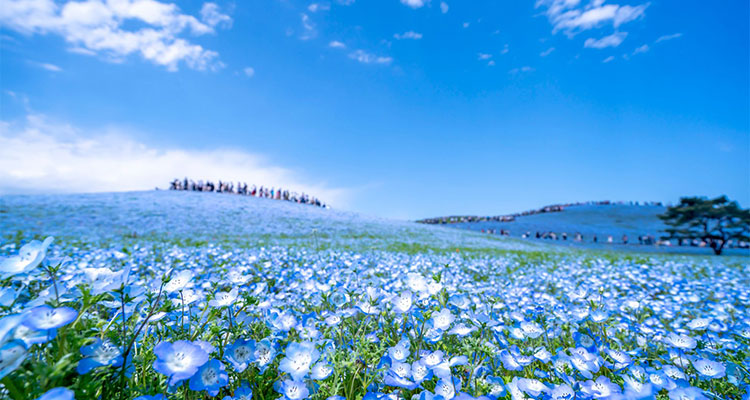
(455, 219)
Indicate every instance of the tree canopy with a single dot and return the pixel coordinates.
(715, 221)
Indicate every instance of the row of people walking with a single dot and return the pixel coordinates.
(242, 188)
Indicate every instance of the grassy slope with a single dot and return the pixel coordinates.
(186, 218)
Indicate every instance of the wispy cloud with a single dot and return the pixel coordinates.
(505, 49)
(249, 72)
(117, 29)
(444, 7)
(414, 3)
(365, 57)
(336, 44)
(408, 35)
(39, 155)
(547, 52)
(308, 27)
(612, 40)
(608, 59)
(47, 66)
(519, 70)
(315, 7)
(572, 16)
(484, 56)
(641, 49)
(668, 37)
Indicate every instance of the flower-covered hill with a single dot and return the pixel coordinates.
(179, 296)
(194, 218)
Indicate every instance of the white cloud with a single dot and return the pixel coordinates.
(345, 2)
(608, 59)
(315, 7)
(336, 44)
(641, 49)
(612, 40)
(47, 66)
(249, 72)
(505, 49)
(37, 155)
(119, 28)
(466, 25)
(414, 3)
(572, 17)
(444, 7)
(408, 35)
(369, 58)
(491, 63)
(668, 37)
(309, 28)
(547, 52)
(515, 71)
(484, 56)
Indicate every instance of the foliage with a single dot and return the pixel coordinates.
(715, 221)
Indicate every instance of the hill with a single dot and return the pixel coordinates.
(103, 219)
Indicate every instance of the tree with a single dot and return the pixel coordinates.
(715, 221)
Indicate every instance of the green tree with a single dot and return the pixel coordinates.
(715, 221)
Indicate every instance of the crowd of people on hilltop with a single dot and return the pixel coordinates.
(455, 219)
(645, 240)
(242, 188)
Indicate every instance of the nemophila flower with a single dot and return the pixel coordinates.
(601, 388)
(543, 355)
(151, 397)
(99, 354)
(59, 393)
(8, 324)
(660, 380)
(674, 372)
(621, 359)
(7, 296)
(292, 390)
(599, 316)
(399, 352)
(461, 330)
(284, 321)
(443, 319)
(402, 303)
(709, 369)
(636, 389)
(394, 379)
(321, 370)
(224, 299)
(509, 361)
(179, 281)
(298, 359)
(682, 342)
(562, 392)
(446, 388)
(242, 393)
(699, 324)
(531, 329)
(12, 355)
(420, 371)
(45, 318)
(240, 354)
(211, 377)
(496, 386)
(28, 258)
(179, 360)
(332, 320)
(532, 387)
(686, 393)
(265, 352)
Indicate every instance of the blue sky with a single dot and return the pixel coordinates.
(399, 108)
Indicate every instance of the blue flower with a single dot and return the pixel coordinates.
(321, 370)
(299, 358)
(562, 392)
(210, 377)
(292, 390)
(46, 318)
(682, 342)
(59, 393)
(224, 299)
(709, 369)
(179, 360)
(28, 258)
(602, 388)
(12, 354)
(240, 354)
(686, 393)
(151, 397)
(98, 354)
(242, 393)
(265, 353)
